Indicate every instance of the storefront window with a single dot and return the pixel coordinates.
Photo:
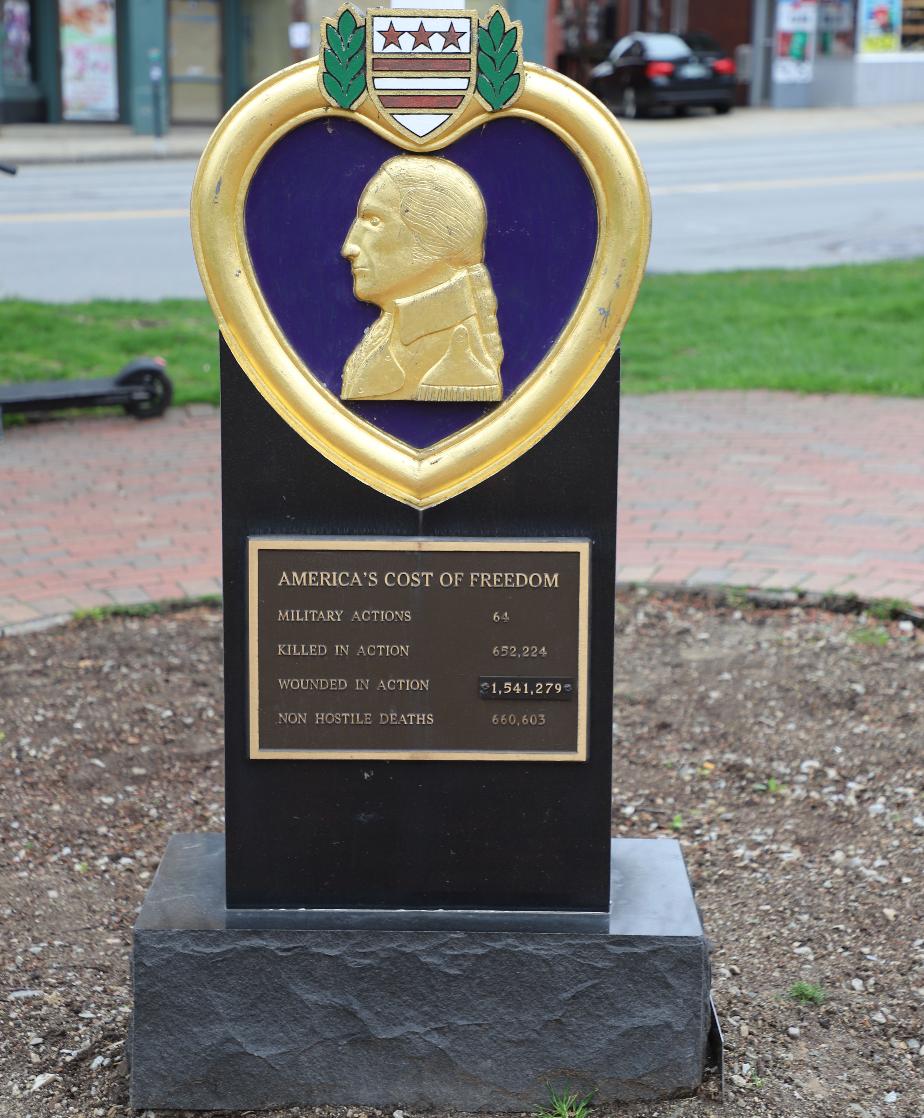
(17, 37)
(89, 68)
(266, 38)
(796, 42)
(194, 31)
(836, 33)
(913, 25)
(887, 26)
(586, 34)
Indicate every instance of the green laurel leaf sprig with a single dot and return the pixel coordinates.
(498, 62)
(345, 59)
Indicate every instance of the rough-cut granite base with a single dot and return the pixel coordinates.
(232, 1012)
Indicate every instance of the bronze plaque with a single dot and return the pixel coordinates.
(407, 649)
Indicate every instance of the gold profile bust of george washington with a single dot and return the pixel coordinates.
(416, 250)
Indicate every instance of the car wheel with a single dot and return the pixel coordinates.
(723, 108)
(681, 110)
(628, 105)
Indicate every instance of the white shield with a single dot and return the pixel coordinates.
(420, 66)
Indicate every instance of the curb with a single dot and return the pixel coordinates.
(37, 625)
(57, 159)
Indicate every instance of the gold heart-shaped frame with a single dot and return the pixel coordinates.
(426, 477)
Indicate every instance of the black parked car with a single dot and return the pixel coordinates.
(648, 71)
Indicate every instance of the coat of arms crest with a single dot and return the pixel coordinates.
(420, 68)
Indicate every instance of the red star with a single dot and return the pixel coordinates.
(421, 37)
(451, 37)
(392, 37)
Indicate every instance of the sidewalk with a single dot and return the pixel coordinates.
(757, 489)
(70, 143)
(21, 144)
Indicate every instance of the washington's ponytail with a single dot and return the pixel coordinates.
(486, 309)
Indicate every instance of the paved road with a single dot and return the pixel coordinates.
(108, 230)
(755, 189)
(746, 488)
(727, 199)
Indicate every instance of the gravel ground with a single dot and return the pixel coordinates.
(784, 748)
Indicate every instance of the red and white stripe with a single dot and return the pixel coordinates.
(421, 82)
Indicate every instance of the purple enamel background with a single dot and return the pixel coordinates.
(542, 230)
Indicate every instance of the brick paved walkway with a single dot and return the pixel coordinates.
(774, 490)
(760, 489)
(105, 511)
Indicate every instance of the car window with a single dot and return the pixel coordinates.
(665, 47)
(695, 40)
(621, 47)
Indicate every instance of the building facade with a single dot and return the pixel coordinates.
(155, 64)
(790, 53)
(580, 33)
(838, 52)
(147, 63)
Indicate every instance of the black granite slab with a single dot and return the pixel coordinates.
(528, 835)
(238, 1010)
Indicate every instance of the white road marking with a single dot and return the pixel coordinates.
(89, 215)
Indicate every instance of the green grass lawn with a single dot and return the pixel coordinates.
(855, 328)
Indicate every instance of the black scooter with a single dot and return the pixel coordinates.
(141, 387)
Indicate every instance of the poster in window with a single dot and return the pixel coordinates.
(794, 46)
(836, 31)
(89, 74)
(15, 37)
(880, 29)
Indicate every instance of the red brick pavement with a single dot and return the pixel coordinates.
(104, 511)
(758, 489)
(774, 490)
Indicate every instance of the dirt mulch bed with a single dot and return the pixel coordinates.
(784, 748)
